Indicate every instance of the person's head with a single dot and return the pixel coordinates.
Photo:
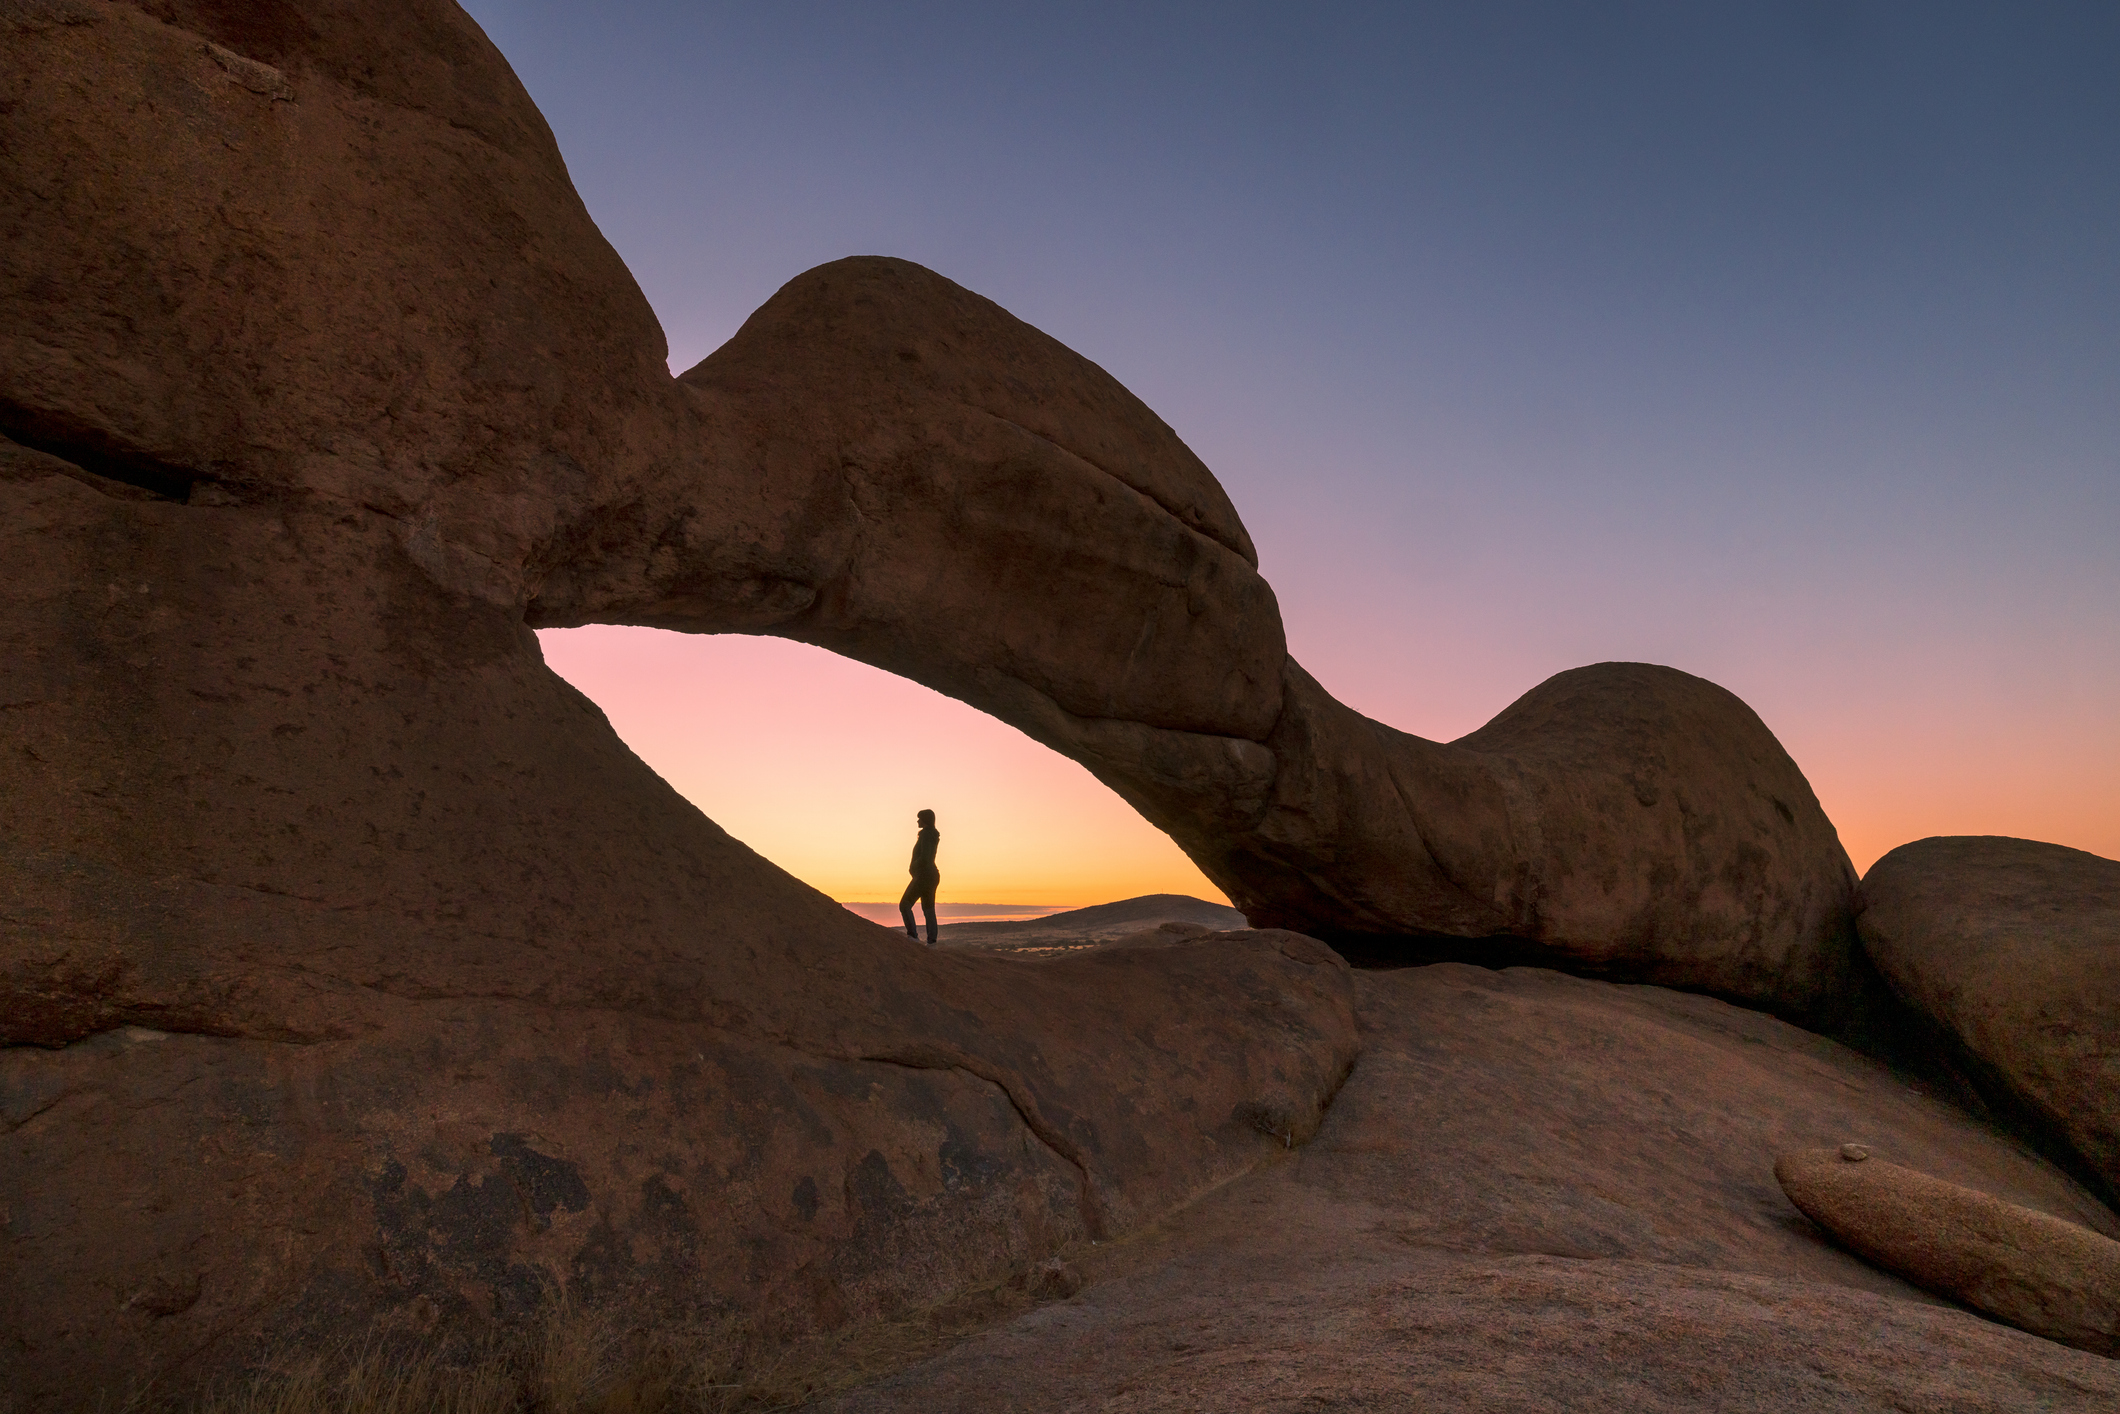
(927, 819)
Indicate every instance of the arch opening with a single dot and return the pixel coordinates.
(818, 761)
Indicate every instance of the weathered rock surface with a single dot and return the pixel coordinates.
(2013, 948)
(1535, 1193)
(169, 1195)
(2035, 1271)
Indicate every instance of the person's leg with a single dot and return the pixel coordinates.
(905, 910)
(927, 906)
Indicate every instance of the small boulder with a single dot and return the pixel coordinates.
(2027, 1268)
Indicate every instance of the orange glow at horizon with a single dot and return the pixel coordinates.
(819, 763)
(1645, 363)
(1961, 775)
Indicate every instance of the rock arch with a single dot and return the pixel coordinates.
(960, 499)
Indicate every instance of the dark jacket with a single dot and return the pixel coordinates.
(923, 865)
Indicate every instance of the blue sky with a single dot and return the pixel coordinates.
(1780, 343)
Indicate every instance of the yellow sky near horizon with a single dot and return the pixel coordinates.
(819, 763)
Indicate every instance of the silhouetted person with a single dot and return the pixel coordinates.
(925, 877)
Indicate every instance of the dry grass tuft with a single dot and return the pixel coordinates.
(569, 1361)
(572, 1360)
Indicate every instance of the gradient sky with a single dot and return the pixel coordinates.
(1778, 343)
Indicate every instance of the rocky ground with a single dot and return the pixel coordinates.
(1539, 1192)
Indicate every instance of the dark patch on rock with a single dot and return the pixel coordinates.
(965, 1166)
(877, 1190)
(472, 1229)
(545, 1183)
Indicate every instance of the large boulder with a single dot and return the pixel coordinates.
(1620, 820)
(2012, 948)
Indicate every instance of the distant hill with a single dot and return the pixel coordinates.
(1097, 923)
(886, 911)
(1127, 915)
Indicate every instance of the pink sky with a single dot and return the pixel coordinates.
(819, 762)
(1775, 343)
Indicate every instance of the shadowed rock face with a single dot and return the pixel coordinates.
(2012, 947)
(379, 977)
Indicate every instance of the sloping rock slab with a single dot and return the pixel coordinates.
(2013, 948)
(1535, 1193)
(2036, 1272)
(171, 1199)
